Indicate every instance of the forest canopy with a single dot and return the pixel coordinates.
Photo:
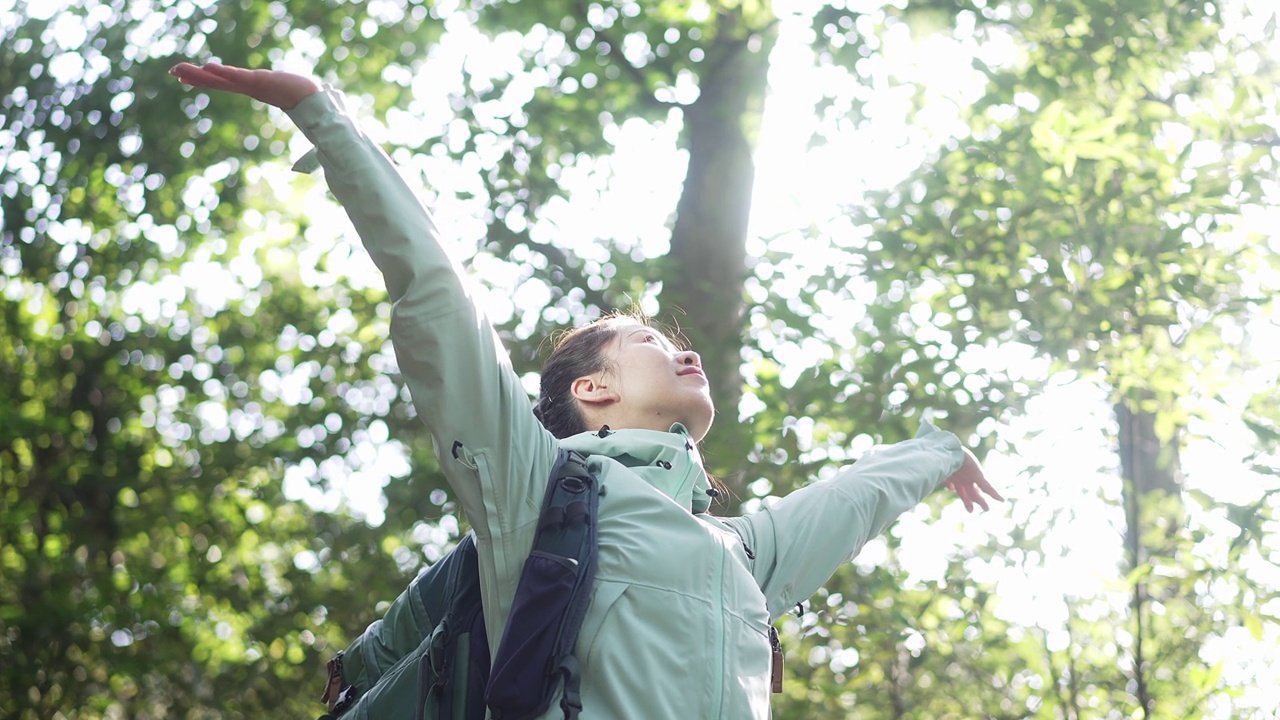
(1049, 227)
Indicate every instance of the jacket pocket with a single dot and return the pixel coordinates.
(606, 596)
(753, 653)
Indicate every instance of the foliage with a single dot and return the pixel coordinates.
(1089, 215)
(200, 376)
(175, 377)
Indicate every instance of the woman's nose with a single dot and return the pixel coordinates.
(689, 357)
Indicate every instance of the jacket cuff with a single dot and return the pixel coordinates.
(309, 115)
(945, 441)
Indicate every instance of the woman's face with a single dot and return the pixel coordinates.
(653, 384)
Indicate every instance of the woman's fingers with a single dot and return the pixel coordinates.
(988, 489)
(226, 75)
(977, 498)
(205, 77)
(970, 484)
(249, 82)
(227, 71)
(281, 89)
(970, 491)
(960, 489)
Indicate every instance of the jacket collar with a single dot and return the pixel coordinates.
(669, 461)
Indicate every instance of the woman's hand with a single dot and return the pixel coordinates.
(273, 87)
(970, 483)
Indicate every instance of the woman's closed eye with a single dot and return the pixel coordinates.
(653, 338)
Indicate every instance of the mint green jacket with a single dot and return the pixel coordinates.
(679, 620)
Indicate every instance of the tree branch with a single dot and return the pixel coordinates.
(635, 73)
(556, 257)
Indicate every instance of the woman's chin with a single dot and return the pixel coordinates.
(699, 423)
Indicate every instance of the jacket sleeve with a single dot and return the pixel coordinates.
(494, 452)
(800, 540)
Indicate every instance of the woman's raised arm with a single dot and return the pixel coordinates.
(494, 453)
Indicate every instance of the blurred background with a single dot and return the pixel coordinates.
(1050, 226)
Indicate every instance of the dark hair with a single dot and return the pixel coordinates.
(577, 353)
(580, 352)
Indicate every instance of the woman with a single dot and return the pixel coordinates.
(679, 619)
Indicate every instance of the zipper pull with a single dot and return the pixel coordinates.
(775, 676)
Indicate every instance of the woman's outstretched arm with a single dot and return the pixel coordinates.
(492, 449)
(800, 540)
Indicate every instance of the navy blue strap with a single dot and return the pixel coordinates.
(535, 655)
(571, 700)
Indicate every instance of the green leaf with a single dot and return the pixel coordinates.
(1253, 623)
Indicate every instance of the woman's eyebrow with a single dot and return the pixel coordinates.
(662, 339)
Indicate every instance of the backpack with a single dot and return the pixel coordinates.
(428, 657)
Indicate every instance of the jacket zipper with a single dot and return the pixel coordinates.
(721, 616)
(718, 699)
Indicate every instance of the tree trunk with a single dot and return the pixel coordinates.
(1146, 460)
(1152, 475)
(706, 267)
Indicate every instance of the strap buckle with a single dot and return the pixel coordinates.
(775, 671)
(333, 685)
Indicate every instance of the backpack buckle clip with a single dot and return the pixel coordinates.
(333, 685)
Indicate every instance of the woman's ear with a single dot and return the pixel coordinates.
(593, 390)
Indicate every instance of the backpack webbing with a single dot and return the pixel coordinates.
(428, 656)
(536, 652)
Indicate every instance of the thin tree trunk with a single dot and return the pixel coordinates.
(1151, 471)
(1065, 684)
(1145, 459)
(899, 676)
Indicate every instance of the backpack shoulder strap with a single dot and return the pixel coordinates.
(536, 652)
(577, 534)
